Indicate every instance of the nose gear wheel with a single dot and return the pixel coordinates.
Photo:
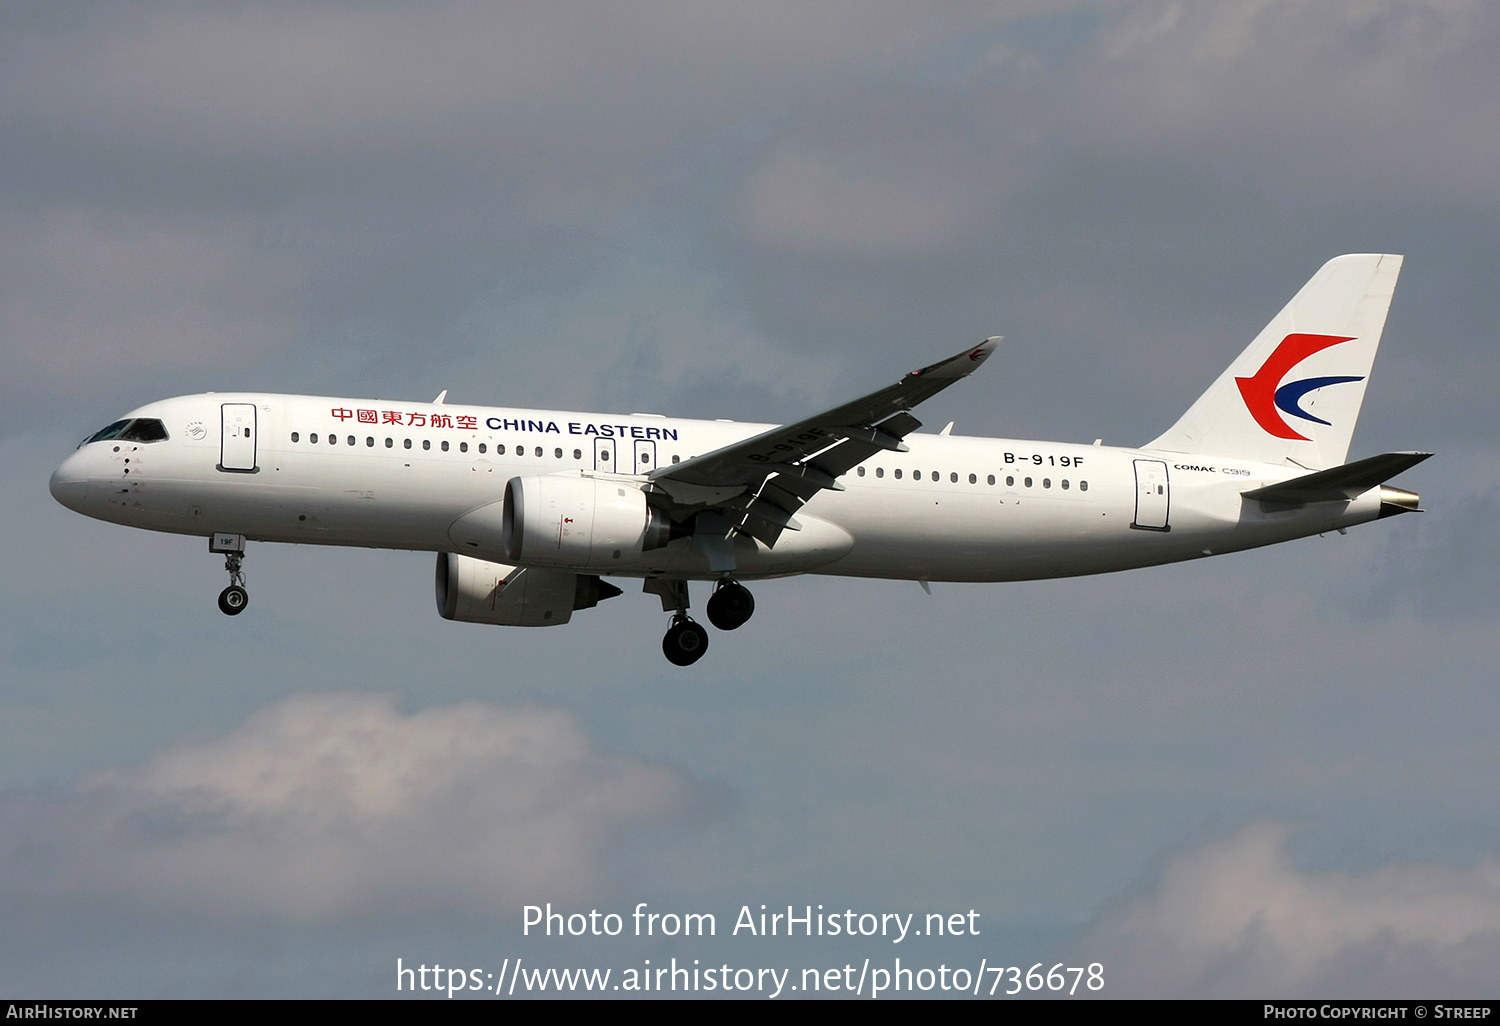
(233, 600)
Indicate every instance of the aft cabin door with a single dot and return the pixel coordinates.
(604, 454)
(237, 445)
(1153, 496)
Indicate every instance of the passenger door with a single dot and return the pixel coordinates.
(1153, 497)
(237, 441)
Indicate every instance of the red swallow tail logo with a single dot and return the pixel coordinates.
(1264, 394)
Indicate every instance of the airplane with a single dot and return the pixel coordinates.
(529, 510)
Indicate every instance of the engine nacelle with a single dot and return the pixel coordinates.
(478, 591)
(579, 521)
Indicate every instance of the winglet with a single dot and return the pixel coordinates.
(960, 365)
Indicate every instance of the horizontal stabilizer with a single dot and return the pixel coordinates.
(1338, 483)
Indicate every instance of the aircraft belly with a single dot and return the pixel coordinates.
(954, 535)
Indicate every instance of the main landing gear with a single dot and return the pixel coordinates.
(686, 641)
(729, 607)
(233, 599)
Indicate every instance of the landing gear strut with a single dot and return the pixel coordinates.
(233, 599)
(686, 640)
(730, 606)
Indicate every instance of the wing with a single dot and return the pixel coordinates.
(760, 483)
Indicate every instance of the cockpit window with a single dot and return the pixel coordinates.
(113, 431)
(142, 429)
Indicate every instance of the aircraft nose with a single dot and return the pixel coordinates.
(70, 482)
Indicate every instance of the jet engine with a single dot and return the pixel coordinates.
(478, 591)
(579, 521)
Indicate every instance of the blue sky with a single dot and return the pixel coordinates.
(1268, 773)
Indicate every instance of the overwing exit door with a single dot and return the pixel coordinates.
(605, 451)
(645, 457)
(237, 440)
(1153, 497)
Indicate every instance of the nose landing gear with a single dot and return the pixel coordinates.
(233, 599)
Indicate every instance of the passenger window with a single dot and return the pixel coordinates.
(353, 440)
(1046, 482)
(406, 443)
(974, 479)
(539, 451)
(861, 472)
(1083, 486)
(1028, 482)
(953, 478)
(499, 450)
(578, 455)
(427, 443)
(463, 446)
(992, 479)
(676, 458)
(897, 473)
(880, 472)
(445, 446)
(481, 447)
(370, 441)
(294, 436)
(313, 438)
(1065, 484)
(916, 475)
(1010, 482)
(558, 455)
(389, 442)
(333, 439)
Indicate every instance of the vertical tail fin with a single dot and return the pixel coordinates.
(1293, 396)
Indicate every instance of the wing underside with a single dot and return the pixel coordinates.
(756, 486)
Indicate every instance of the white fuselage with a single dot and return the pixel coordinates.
(400, 475)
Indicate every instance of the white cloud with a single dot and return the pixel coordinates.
(322, 806)
(1236, 918)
